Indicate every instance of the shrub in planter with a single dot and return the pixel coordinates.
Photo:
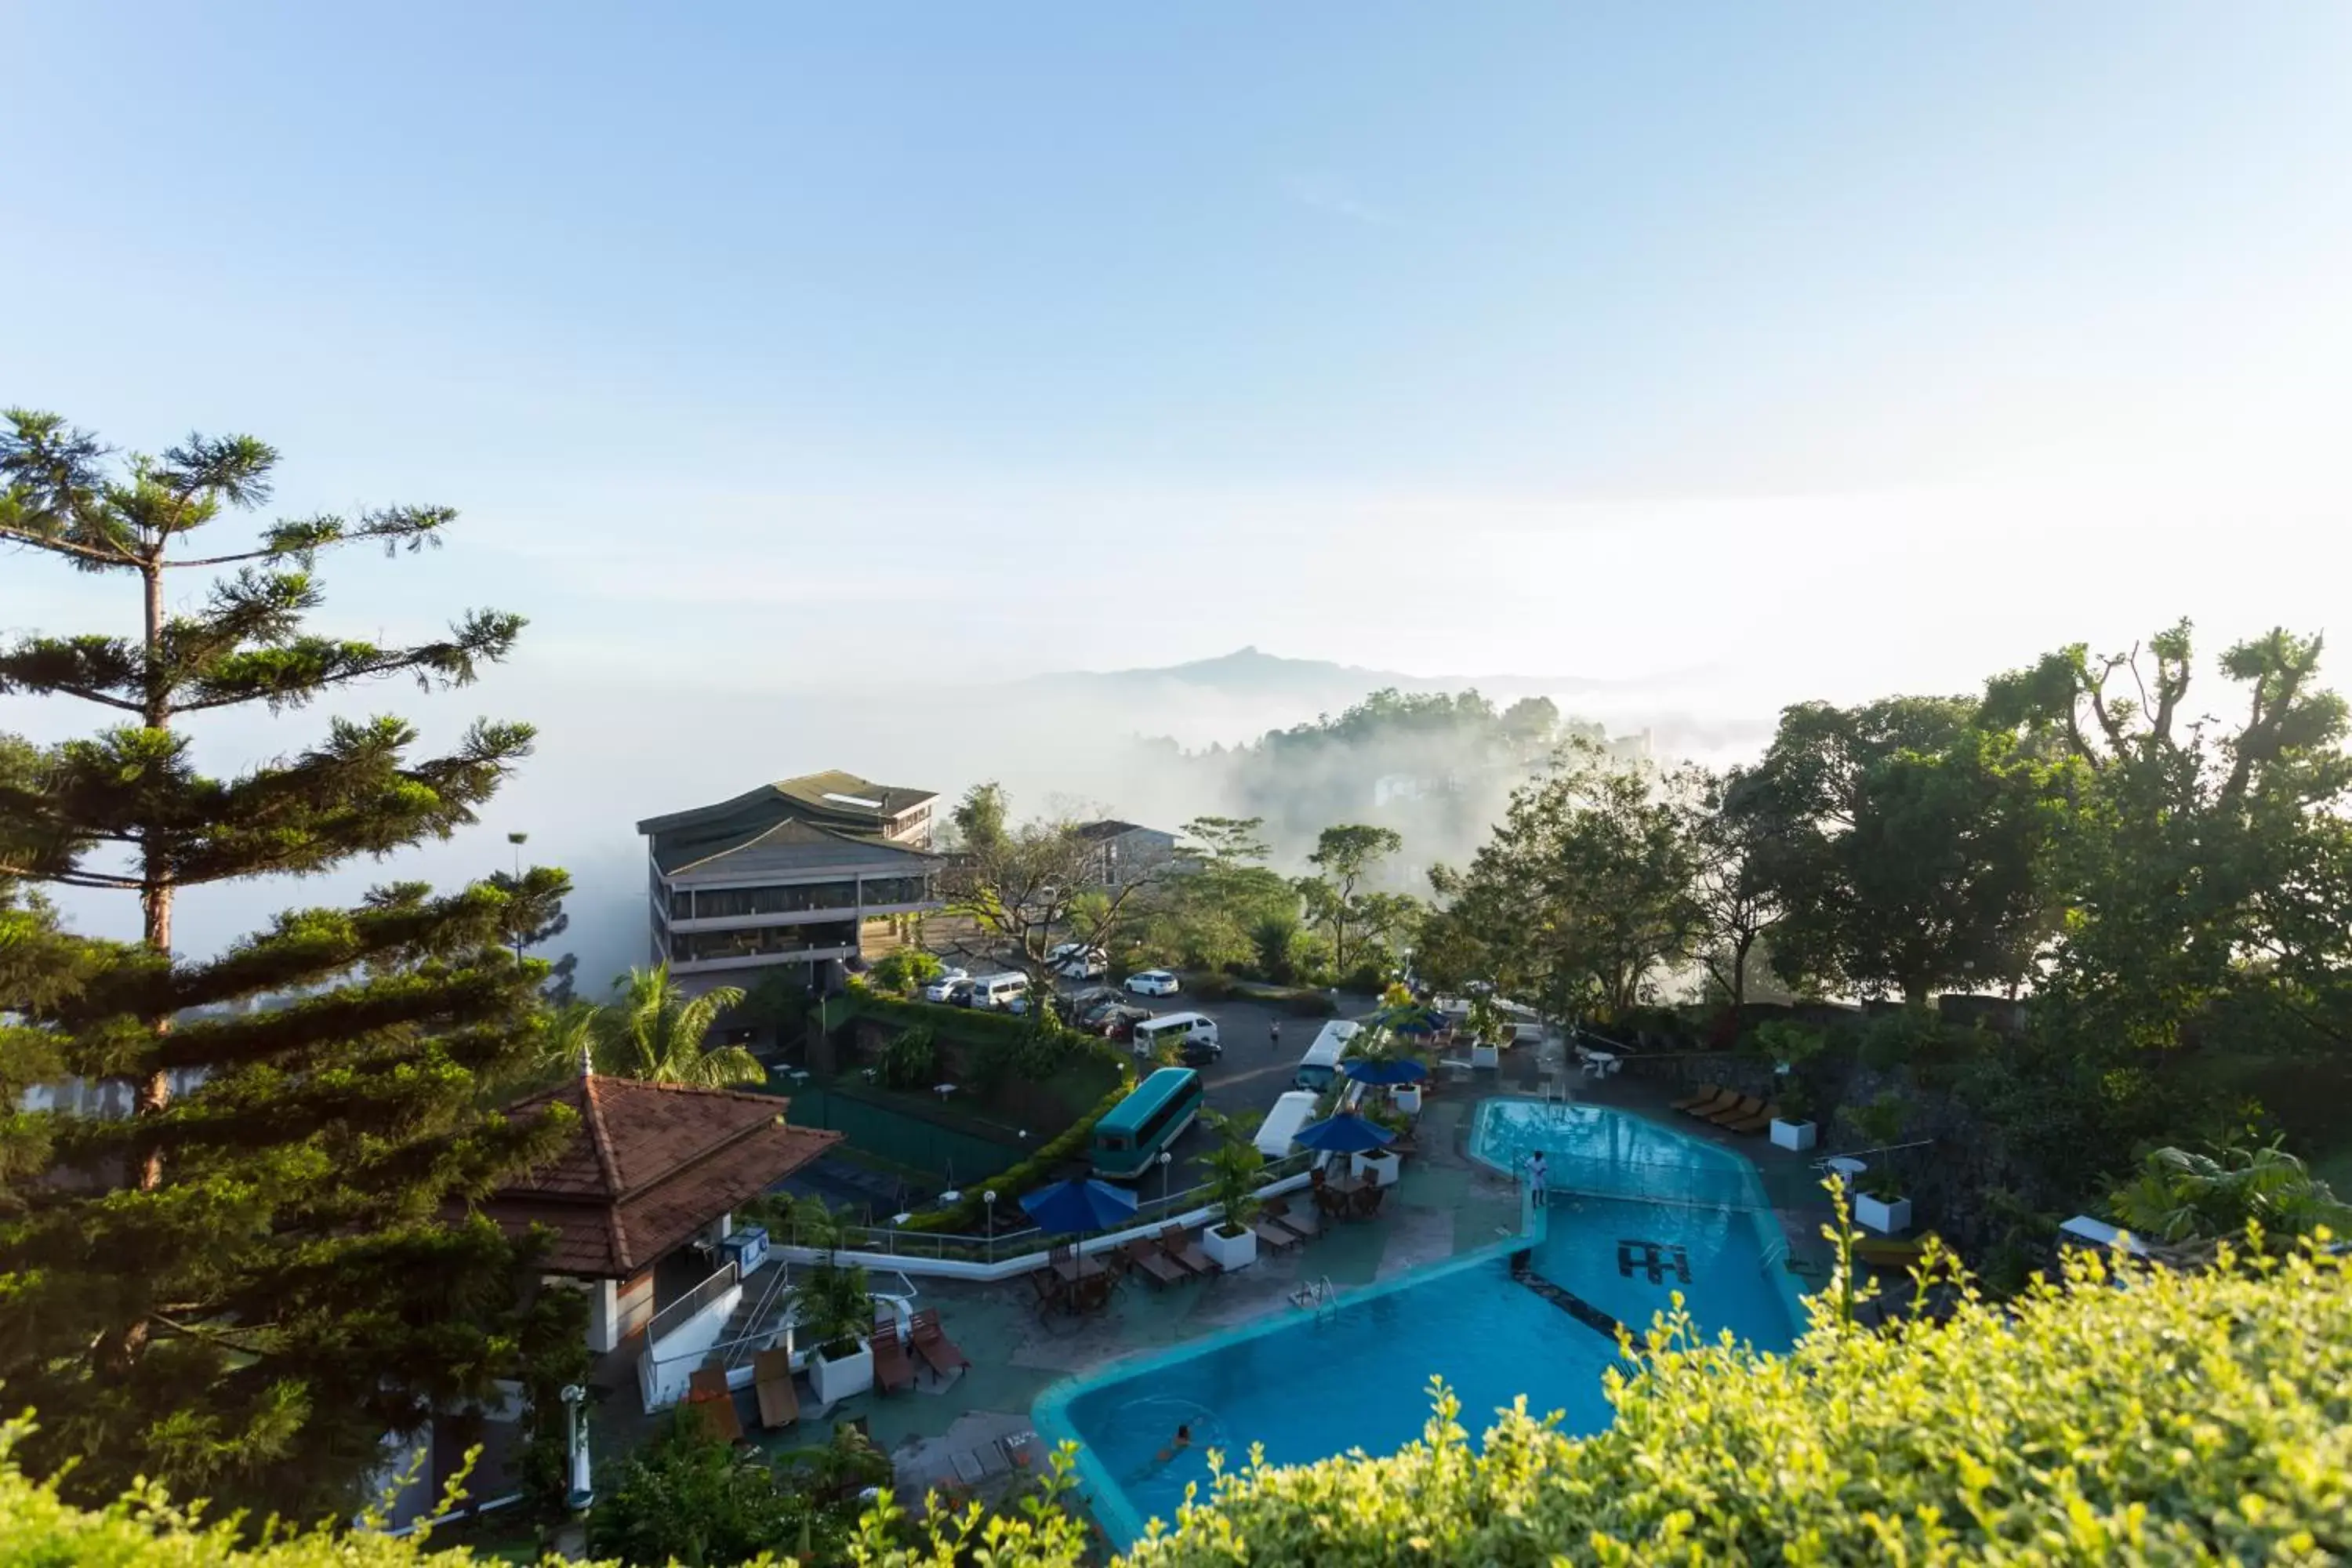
(834, 1308)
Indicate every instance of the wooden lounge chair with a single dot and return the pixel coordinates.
(892, 1370)
(1304, 1226)
(1758, 1122)
(771, 1380)
(1271, 1234)
(1749, 1106)
(1722, 1100)
(933, 1345)
(1184, 1251)
(1706, 1092)
(1155, 1264)
(707, 1395)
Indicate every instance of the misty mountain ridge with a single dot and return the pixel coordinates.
(1253, 674)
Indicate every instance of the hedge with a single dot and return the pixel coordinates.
(968, 1214)
(2178, 1418)
(971, 1023)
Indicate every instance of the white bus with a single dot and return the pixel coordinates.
(1321, 1064)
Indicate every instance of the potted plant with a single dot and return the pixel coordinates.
(832, 1310)
(1234, 1172)
(1794, 1128)
(1879, 1203)
(1381, 1164)
(1486, 1028)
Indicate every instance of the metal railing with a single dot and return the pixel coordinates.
(897, 1242)
(693, 1301)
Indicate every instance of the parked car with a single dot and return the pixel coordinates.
(1116, 1021)
(1152, 982)
(959, 993)
(937, 988)
(1200, 1051)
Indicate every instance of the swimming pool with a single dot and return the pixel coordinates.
(1638, 1211)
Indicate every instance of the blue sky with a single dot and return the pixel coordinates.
(1814, 349)
(729, 306)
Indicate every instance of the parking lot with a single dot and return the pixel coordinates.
(1252, 1074)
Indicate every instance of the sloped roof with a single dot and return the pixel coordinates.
(782, 848)
(647, 1165)
(1097, 831)
(832, 796)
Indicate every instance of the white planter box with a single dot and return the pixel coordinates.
(1794, 1134)
(833, 1381)
(1408, 1099)
(1230, 1252)
(1486, 1054)
(1382, 1168)
(1887, 1219)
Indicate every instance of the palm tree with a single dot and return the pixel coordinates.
(656, 1034)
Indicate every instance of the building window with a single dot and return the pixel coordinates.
(681, 904)
(734, 903)
(761, 942)
(897, 890)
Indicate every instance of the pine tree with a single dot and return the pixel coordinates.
(244, 1285)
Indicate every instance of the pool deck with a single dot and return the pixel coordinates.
(952, 1433)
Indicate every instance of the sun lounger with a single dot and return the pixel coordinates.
(1271, 1234)
(1758, 1122)
(933, 1345)
(1749, 1106)
(1154, 1263)
(892, 1370)
(1706, 1092)
(1722, 1100)
(707, 1395)
(1304, 1226)
(1184, 1251)
(771, 1380)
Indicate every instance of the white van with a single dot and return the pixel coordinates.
(1321, 1064)
(999, 990)
(1276, 1132)
(1076, 960)
(1195, 1034)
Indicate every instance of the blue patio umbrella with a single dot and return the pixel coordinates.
(1384, 1069)
(1078, 1204)
(1346, 1134)
(1417, 1019)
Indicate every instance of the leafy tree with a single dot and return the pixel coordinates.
(1336, 898)
(903, 969)
(1028, 890)
(656, 1034)
(1214, 897)
(2209, 865)
(1737, 903)
(243, 1286)
(1903, 843)
(688, 1497)
(535, 919)
(1580, 899)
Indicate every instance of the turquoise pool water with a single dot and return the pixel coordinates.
(1637, 1211)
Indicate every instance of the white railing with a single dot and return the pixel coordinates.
(678, 1312)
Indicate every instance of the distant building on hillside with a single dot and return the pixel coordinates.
(786, 876)
(1123, 853)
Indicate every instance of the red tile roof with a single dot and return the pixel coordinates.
(649, 1165)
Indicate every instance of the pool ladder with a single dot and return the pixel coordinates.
(1777, 1253)
(1321, 1295)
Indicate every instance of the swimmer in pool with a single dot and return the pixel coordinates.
(1183, 1441)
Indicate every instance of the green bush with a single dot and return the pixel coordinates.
(902, 970)
(2189, 1418)
(1209, 986)
(966, 1217)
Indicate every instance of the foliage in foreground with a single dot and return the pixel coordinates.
(2159, 1417)
(2162, 1418)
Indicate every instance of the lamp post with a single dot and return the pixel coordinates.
(989, 1197)
(575, 1443)
(1167, 1160)
(518, 841)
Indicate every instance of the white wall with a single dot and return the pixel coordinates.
(668, 1362)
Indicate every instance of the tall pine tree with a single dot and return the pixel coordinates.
(243, 1285)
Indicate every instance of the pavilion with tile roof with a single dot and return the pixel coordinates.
(648, 1169)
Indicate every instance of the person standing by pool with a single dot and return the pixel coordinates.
(1537, 1173)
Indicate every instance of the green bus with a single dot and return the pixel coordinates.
(1130, 1137)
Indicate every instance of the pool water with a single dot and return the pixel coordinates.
(1637, 1212)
